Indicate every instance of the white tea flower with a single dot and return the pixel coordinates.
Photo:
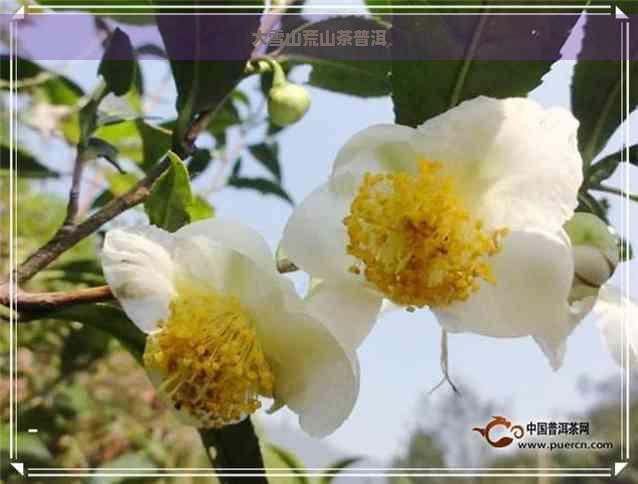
(225, 330)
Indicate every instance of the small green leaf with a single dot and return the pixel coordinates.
(167, 205)
(156, 141)
(118, 64)
(337, 467)
(200, 209)
(588, 203)
(98, 148)
(625, 250)
(268, 155)
(288, 459)
(262, 185)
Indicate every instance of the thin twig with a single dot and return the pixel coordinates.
(445, 366)
(74, 192)
(36, 302)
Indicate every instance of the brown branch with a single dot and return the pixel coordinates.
(68, 236)
(71, 233)
(37, 302)
(74, 192)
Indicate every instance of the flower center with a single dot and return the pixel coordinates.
(210, 357)
(414, 239)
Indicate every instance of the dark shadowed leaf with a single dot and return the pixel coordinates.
(82, 347)
(199, 162)
(118, 64)
(109, 319)
(441, 60)
(341, 68)
(262, 185)
(268, 155)
(337, 467)
(208, 54)
(603, 169)
(26, 165)
(56, 88)
(596, 85)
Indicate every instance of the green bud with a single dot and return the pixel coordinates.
(595, 252)
(287, 104)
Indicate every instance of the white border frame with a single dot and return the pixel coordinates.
(317, 472)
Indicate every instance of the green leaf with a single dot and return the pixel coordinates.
(31, 449)
(337, 467)
(588, 203)
(200, 209)
(262, 185)
(82, 347)
(422, 89)
(341, 69)
(55, 88)
(268, 155)
(156, 141)
(111, 320)
(118, 64)
(202, 82)
(98, 148)
(25, 164)
(289, 460)
(167, 205)
(133, 460)
(625, 250)
(595, 92)
(603, 169)
(199, 162)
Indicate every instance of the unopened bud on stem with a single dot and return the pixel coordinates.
(287, 102)
(595, 251)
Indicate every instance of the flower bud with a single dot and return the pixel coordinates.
(287, 104)
(595, 252)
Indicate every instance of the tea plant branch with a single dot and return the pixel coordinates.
(35, 303)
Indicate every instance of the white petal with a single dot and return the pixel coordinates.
(381, 147)
(315, 376)
(228, 272)
(315, 238)
(610, 312)
(233, 235)
(138, 266)
(349, 310)
(516, 163)
(533, 274)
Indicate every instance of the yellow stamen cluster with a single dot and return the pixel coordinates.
(210, 358)
(414, 239)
